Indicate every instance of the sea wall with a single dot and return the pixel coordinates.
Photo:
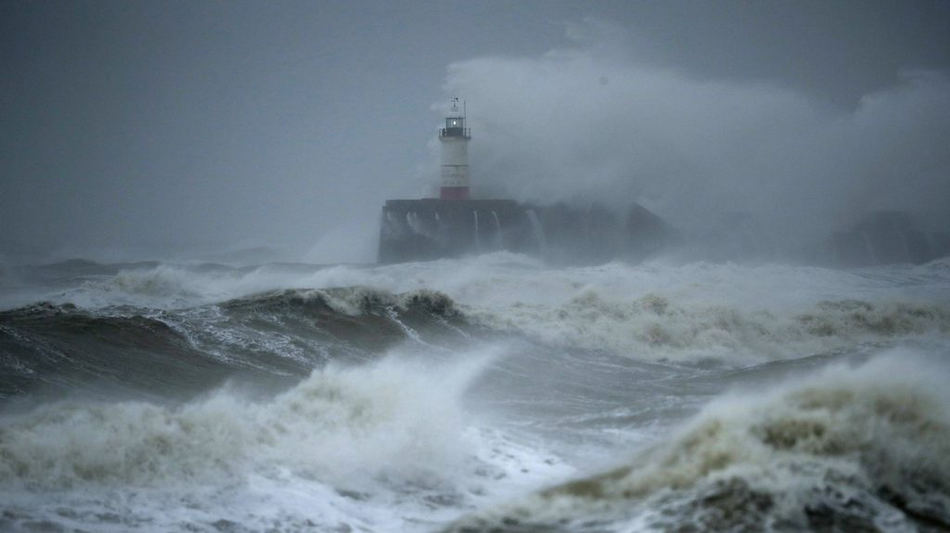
(428, 229)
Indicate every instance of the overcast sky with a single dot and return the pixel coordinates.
(136, 129)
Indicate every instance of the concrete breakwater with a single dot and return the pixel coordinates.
(427, 229)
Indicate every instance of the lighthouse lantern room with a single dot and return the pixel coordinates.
(454, 138)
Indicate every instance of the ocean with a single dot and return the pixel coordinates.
(492, 393)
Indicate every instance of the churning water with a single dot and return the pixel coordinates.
(488, 394)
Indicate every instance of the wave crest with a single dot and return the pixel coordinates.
(654, 326)
(851, 448)
(357, 301)
(338, 424)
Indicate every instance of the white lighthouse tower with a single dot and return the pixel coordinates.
(454, 137)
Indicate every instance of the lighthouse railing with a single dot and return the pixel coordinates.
(455, 132)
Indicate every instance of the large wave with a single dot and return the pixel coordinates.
(683, 313)
(853, 448)
(656, 327)
(285, 332)
(341, 407)
(288, 332)
(337, 422)
(499, 278)
(386, 445)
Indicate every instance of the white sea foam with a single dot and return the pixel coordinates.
(653, 311)
(502, 279)
(337, 422)
(387, 445)
(866, 445)
(653, 327)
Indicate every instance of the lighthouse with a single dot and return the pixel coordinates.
(454, 225)
(454, 138)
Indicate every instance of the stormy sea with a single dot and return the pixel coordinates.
(494, 393)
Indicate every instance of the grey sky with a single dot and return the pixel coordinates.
(134, 128)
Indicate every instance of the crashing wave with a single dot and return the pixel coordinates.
(655, 327)
(864, 448)
(284, 333)
(338, 423)
(352, 301)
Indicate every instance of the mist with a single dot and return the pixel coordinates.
(248, 133)
(589, 123)
(681, 265)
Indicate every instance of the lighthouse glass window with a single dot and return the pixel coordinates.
(454, 127)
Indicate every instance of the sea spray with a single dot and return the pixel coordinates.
(114, 416)
(655, 327)
(284, 332)
(382, 446)
(398, 415)
(852, 447)
(490, 280)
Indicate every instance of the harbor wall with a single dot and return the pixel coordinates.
(429, 229)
